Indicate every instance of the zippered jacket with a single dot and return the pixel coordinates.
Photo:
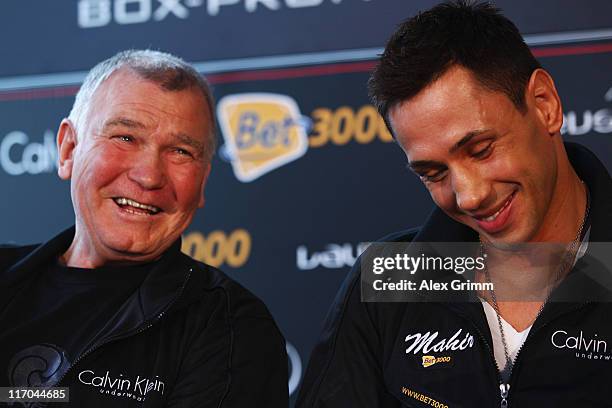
(440, 354)
(188, 337)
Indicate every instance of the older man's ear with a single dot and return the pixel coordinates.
(66, 143)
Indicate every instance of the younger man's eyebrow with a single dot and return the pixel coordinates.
(420, 164)
(465, 139)
(423, 164)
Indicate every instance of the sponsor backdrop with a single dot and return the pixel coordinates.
(306, 172)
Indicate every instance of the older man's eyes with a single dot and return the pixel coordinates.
(183, 152)
(123, 138)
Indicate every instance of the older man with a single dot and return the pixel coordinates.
(479, 121)
(111, 308)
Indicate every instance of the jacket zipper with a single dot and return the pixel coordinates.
(130, 333)
(512, 378)
(503, 388)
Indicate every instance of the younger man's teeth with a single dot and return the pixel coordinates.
(494, 216)
(127, 201)
(491, 218)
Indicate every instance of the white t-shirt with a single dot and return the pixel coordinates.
(515, 339)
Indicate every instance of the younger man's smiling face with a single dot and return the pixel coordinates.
(485, 163)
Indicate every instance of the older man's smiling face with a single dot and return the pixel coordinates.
(137, 166)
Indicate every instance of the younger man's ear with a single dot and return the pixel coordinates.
(66, 144)
(542, 94)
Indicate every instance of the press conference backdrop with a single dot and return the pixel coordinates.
(305, 172)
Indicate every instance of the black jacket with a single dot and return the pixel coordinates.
(189, 337)
(364, 357)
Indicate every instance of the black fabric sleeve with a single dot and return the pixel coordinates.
(259, 374)
(345, 369)
(10, 254)
(238, 361)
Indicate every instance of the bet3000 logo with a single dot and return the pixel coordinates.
(262, 132)
(217, 247)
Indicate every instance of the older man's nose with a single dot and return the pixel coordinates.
(148, 172)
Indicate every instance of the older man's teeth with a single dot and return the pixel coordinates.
(494, 216)
(132, 203)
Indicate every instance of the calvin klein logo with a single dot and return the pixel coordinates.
(120, 386)
(590, 347)
(561, 339)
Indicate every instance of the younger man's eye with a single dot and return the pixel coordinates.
(432, 177)
(482, 152)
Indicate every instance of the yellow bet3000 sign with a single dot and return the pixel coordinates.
(262, 132)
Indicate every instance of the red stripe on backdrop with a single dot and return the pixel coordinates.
(298, 72)
(56, 92)
(284, 73)
(572, 50)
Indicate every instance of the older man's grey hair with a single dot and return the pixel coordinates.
(169, 71)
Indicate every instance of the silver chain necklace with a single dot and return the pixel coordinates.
(567, 260)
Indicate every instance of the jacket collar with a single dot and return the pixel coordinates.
(160, 288)
(596, 177)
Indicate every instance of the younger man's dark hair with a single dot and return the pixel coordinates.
(473, 35)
